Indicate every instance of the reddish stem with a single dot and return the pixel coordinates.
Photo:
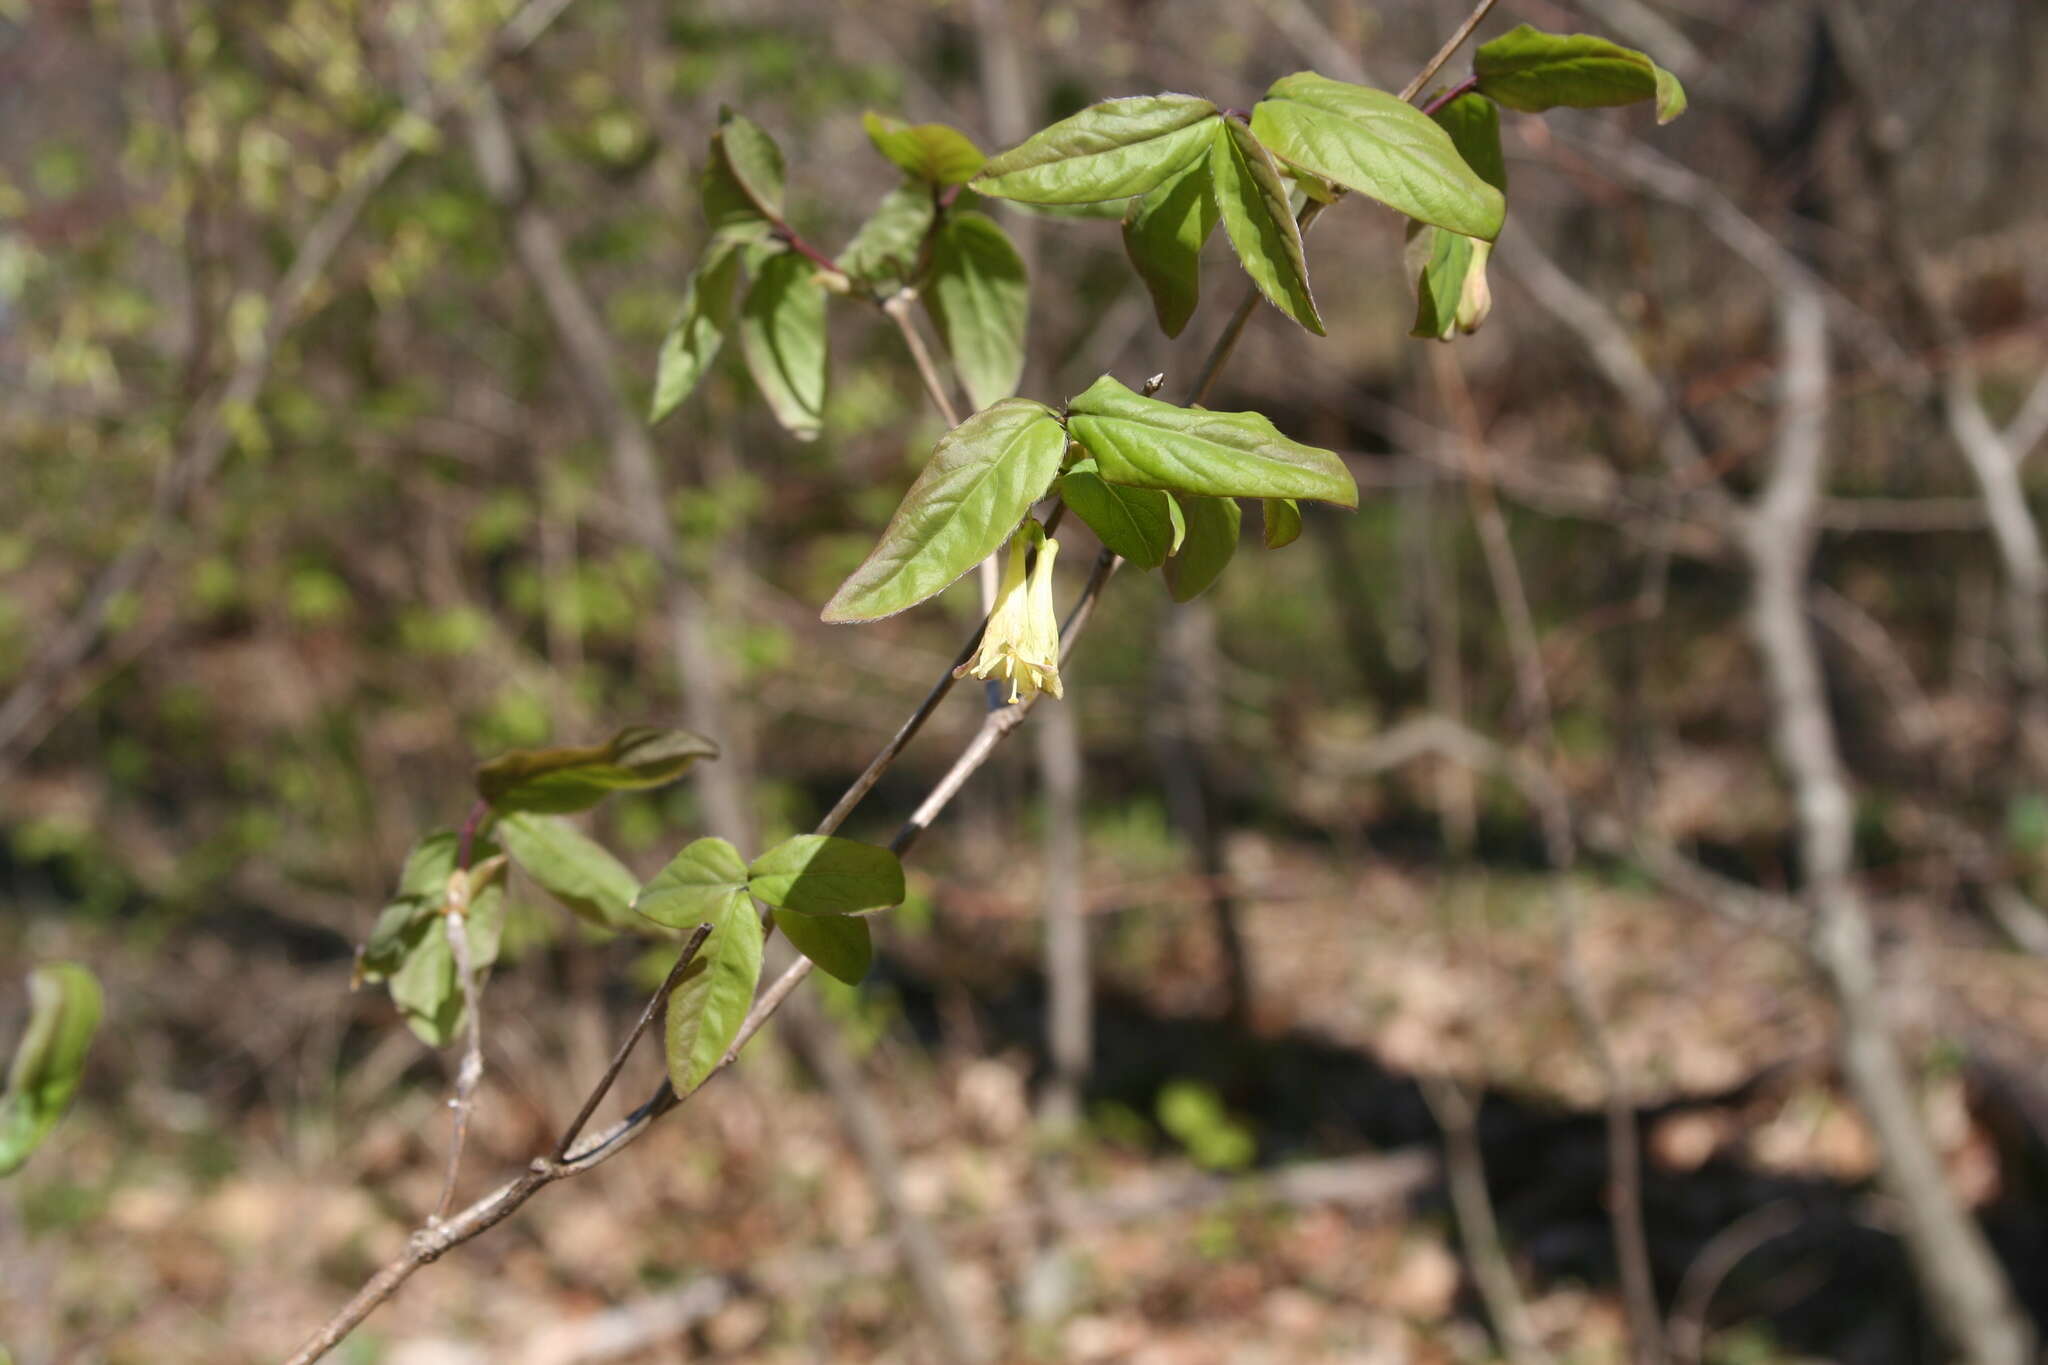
(1464, 87)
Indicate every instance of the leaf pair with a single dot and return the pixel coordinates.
(63, 1014)
(1195, 165)
(816, 884)
(409, 946)
(780, 320)
(985, 474)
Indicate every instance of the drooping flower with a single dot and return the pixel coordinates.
(1022, 642)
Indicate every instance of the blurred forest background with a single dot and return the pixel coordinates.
(331, 340)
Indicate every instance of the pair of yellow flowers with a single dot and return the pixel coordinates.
(1022, 642)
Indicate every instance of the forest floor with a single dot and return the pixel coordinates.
(255, 1140)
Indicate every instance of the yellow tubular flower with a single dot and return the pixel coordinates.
(1022, 642)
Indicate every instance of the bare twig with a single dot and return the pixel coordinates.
(1448, 50)
(1472, 1205)
(1722, 1253)
(469, 1072)
(655, 1002)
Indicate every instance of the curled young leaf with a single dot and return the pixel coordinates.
(64, 1011)
(1140, 524)
(982, 478)
(931, 152)
(884, 250)
(571, 779)
(1283, 522)
(1530, 70)
(1110, 150)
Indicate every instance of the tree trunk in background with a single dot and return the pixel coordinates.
(1069, 1027)
(1964, 1283)
(1186, 725)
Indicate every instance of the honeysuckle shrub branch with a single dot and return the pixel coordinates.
(1158, 483)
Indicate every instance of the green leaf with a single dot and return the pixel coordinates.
(573, 868)
(711, 1001)
(982, 478)
(782, 335)
(1283, 522)
(425, 986)
(819, 874)
(932, 152)
(422, 891)
(64, 1009)
(1146, 443)
(1368, 141)
(753, 159)
(571, 779)
(1164, 233)
(885, 249)
(1530, 70)
(1211, 541)
(699, 885)
(1137, 523)
(980, 302)
(841, 945)
(1473, 122)
(1259, 216)
(1110, 150)
(694, 339)
(1451, 293)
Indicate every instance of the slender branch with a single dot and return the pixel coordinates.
(470, 1072)
(1444, 53)
(897, 306)
(655, 1002)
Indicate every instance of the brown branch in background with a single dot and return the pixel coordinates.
(1717, 1259)
(1963, 1281)
(1554, 815)
(1465, 1172)
(192, 465)
(1993, 457)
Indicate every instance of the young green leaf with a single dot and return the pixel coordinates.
(1451, 293)
(1211, 541)
(1163, 235)
(1530, 70)
(1138, 523)
(1283, 522)
(1368, 141)
(64, 1008)
(1110, 150)
(753, 159)
(694, 339)
(885, 249)
(782, 335)
(571, 779)
(711, 1001)
(573, 868)
(1147, 443)
(1259, 216)
(982, 478)
(819, 874)
(426, 987)
(422, 892)
(699, 885)
(932, 152)
(980, 302)
(841, 945)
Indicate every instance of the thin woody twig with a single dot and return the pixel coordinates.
(691, 946)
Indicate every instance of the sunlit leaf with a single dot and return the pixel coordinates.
(711, 1000)
(1111, 150)
(818, 874)
(1530, 70)
(1368, 141)
(1152, 444)
(698, 886)
(982, 478)
(1259, 217)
